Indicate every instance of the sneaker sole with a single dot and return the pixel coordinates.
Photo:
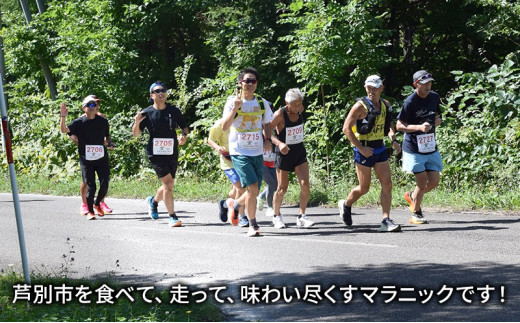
(149, 212)
(398, 229)
(234, 217)
(178, 224)
(409, 200)
(222, 212)
(412, 221)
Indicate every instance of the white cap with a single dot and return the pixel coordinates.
(374, 81)
(88, 99)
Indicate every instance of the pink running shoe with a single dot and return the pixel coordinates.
(84, 209)
(105, 208)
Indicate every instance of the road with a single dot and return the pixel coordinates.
(411, 271)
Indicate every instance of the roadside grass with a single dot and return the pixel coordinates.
(123, 310)
(188, 188)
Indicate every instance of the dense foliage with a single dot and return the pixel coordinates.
(116, 48)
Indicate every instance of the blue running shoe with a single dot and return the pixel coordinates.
(152, 209)
(223, 210)
(174, 221)
(243, 221)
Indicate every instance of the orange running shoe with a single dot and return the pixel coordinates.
(409, 199)
(99, 210)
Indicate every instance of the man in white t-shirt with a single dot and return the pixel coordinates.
(247, 116)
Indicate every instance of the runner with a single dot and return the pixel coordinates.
(366, 125)
(219, 140)
(418, 120)
(91, 131)
(246, 115)
(291, 156)
(161, 119)
(83, 186)
(269, 177)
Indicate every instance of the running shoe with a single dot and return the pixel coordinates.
(303, 222)
(173, 221)
(152, 209)
(389, 226)
(223, 210)
(259, 203)
(233, 207)
(253, 232)
(269, 212)
(98, 210)
(105, 208)
(84, 209)
(418, 218)
(409, 199)
(91, 216)
(278, 222)
(243, 221)
(345, 213)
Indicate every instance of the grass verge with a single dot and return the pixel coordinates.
(322, 193)
(123, 310)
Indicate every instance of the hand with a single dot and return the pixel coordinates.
(64, 111)
(111, 146)
(74, 139)
(182, 140)
(284, 149)
(366, 151)
(139, 117)
(425, 127)
(223, 151)
(397, 148)
(238, 100)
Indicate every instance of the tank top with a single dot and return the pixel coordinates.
(292, 134)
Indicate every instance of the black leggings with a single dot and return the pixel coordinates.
(88, 172)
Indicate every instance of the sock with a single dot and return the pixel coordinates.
(299, 216)
(174, 216)
(253, 223)
(226, 204)
(242, 215)
(155, 204)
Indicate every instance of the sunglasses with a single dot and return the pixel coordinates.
(91, 105)
(161, 90)
(249, 81)
(424, 77)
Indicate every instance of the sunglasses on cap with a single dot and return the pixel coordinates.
(92, 104)
(249, 81)
(423, 77)
(161, 90)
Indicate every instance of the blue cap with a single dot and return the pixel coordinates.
(156, 84)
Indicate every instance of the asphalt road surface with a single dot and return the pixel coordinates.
(434, 272)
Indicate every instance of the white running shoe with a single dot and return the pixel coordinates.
(278, 222)
(269, 212)
(303, 222)
(259, 203)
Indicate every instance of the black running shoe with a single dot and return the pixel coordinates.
(223, 210)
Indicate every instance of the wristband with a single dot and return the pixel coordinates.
(184, 134)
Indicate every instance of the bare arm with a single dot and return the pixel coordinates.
(276, 123)
(63, 116)
(228, 119)
(356, 113)
(182, 139)
(406, 127)
(135, 127)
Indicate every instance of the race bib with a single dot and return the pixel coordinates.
(269, 156)
(94, 152)
(163, 146)
(250, 140)
(294, 135)
(426, 143)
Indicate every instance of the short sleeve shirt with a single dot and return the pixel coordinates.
(416, 111)
(90, 132)
(221, 137)
(162, 124)
(248, 123)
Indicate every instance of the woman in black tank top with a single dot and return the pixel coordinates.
(291, 156)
